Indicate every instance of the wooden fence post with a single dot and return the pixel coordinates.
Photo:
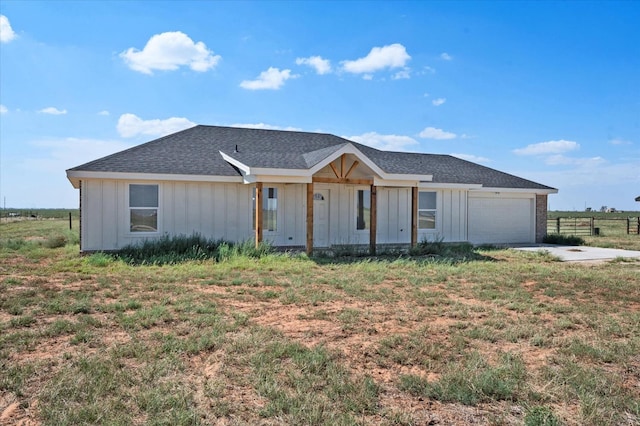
(70, 227)
(558, 225)
(638, 225)
(628, 225)
(593, 224)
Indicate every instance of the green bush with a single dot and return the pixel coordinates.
(55, 241)
(567, 240)
(438, 248)
(13, 244)
(426, 247)
(182, 248)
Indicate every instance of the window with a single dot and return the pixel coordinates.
(269, 209)
(427, 210)
(143, 208)
(363, 209)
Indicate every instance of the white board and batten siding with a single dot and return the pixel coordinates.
(214, 210)
(224, 211)
(501, 218)
(394, 215)
(451, 216)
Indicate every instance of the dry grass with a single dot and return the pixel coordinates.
(510, 338)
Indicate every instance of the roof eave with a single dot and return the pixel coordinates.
(540, 191)
(75, 176)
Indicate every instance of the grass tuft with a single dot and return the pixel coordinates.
(541, 416)
(473, 382)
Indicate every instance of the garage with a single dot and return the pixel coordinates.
(501, 218)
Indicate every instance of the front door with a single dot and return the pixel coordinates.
(321, 218)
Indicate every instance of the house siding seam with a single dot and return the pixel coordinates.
(541, 217)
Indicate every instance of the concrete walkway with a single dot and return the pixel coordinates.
(582, 253)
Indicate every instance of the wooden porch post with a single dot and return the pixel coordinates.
(414, 216)
(374, 220)
(309, 219)
(259, 221)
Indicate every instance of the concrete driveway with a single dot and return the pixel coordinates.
(582, 253)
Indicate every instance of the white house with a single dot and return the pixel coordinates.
(299, 190)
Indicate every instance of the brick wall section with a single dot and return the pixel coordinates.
(541, 217)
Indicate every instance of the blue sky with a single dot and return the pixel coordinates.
(549, 91)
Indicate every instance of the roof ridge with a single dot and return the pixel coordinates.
(267, 130)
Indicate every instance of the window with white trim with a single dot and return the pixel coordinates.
(363, 209)
(143, 208)
(269, 209)
(427, 209)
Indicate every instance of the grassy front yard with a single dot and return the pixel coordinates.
(507, 338)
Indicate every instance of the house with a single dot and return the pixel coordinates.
(299, 190)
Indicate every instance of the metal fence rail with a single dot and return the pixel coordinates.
(587, 226)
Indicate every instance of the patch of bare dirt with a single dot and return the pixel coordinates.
(15, 412)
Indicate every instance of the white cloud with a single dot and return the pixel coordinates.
(622, 174)
(264, 126)
(367, 77)
(61, 154)
(428, 70)
(130, 125)
(3, 109)
(549, 147)
(445, 56)
(104, 112)
(53, 111)
(384, 142)
(391, 56)
(620, 141)
(439, 134)
(6, 32)
(271, 79)
(403, 74)
(473, 158)
(561, 160)
(322, 66)
(439, 101)
(168, 51)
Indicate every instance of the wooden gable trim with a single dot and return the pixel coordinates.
(343, 180)
(335, 171)
(341, 174)
(351, 169)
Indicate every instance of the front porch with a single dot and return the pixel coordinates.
(342, 208)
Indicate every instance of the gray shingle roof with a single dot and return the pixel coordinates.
(196, 151)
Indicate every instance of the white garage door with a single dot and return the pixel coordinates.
(501, 220)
